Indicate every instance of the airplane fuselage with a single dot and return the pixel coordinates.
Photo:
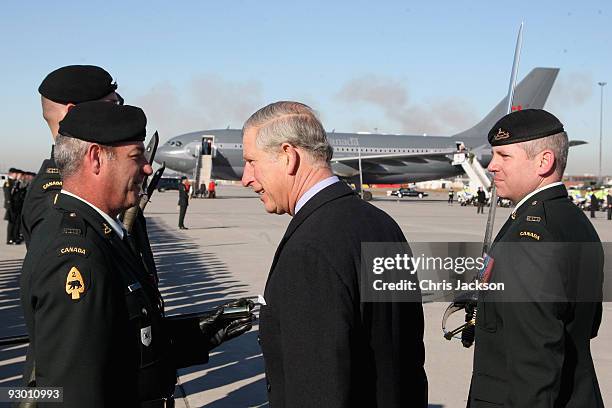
(180, 154)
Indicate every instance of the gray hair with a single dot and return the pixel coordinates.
(559, 145)
(69, 153)
(293, 123)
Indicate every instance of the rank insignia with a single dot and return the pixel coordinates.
(533, 218)
(75, 286)
(52, 170)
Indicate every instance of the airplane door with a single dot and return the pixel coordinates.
(208, 147)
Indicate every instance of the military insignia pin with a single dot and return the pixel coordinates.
(501, 135)
(75, 286)
(107, 229)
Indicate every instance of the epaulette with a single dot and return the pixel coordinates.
(533, 222)
(72, 224)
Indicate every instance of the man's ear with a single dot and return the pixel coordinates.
(546, 163)
(292, 158)
(93, 158)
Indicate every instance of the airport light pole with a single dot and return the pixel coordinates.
(601, 84)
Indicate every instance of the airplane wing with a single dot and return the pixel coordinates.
(415, 157)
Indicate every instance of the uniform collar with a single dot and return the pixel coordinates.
(547, 192)
(114, 224)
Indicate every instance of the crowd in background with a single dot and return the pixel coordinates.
(15, 187)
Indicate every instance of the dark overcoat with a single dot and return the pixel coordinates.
(322, 345)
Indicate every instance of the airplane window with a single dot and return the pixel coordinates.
(179, 144)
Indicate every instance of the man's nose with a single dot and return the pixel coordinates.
(247, 175)
(147, 169)
(492, 167)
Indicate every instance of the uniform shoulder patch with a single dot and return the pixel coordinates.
(57, 184)
(72, 250)
(75, 286)
(530, 235)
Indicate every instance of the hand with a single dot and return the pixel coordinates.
(219, 327)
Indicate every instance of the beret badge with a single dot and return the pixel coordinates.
(501, 135)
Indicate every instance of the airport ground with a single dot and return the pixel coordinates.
(226, 253)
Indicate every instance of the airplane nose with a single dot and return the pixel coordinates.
(161, 155)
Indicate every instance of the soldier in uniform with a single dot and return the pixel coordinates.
(96, 322)
(60, 90)
(7, 189)
(532, 344)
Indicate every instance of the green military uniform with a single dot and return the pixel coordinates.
(39, 197)
(7, 188)
(95, 319)
(532, 345)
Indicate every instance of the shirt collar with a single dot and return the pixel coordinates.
(314, 190)
(115, 224)
(558, 183)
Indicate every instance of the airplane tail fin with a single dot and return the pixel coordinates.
(530, 93)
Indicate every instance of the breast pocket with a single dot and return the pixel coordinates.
(145, 326)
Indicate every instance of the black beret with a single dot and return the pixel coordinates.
(104, 123)
(76, 84)
(524, 125)
(13, 170)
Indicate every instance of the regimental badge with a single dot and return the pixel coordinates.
(501, 135)
(107, 229)
(74, 284)
(145, 336)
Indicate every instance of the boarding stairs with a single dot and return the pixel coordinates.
(473, 169)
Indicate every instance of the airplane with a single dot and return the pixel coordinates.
(385, 159)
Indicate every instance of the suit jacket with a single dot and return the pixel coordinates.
(324, 347)
(94, 318)
(536, 353)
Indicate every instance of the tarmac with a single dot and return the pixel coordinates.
(227, 252)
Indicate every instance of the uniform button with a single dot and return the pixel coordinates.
(259, 340)
(144, 311)
(268, 387)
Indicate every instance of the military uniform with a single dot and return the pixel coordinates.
(95, 319)
(39, 197)
(532, 345)
(7, 188)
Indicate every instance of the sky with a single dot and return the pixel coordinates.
(408, 67)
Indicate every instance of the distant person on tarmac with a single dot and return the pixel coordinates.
(451, 196)
(481, 199)
(212, 192)
(183, 201)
